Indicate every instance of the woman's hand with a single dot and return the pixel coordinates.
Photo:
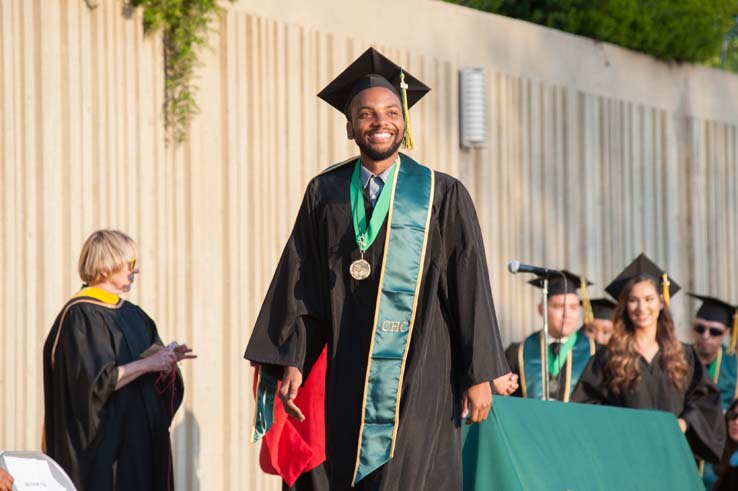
(182, 351)
(161, 361)
(506, 385)
(682, 425)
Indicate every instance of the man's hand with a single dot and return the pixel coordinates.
(6, 481)
(291, 382)
(476, 403)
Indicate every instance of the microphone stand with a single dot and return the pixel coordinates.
(546, 396)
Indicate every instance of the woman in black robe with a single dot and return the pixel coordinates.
(646, 367)
(110, 386)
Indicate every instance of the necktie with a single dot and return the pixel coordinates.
(555, 348)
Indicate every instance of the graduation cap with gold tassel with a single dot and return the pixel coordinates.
(373, 69)
(716, 310)
(643, 266)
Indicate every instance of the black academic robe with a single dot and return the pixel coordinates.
(698, 404)
(313, 300)
(103, 438)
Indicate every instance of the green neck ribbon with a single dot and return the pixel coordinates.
(555, 363)
(713, 367)
(365, 235)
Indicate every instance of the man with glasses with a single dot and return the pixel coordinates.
(712, 322)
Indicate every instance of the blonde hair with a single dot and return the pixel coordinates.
(104, 252)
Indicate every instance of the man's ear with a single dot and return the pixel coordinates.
(540, 309)
(349, 130)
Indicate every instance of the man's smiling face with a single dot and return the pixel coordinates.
(376, 123)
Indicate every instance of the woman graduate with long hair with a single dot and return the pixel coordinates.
(646, 367)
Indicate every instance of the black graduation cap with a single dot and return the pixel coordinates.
(373, 69)
(642, 265)
(602, 308)
(714, 309)
(557, 285)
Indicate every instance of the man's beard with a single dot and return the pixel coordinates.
(376, 154)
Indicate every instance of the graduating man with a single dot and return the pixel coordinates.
(568, 350)
(386, 266)
(711, 324)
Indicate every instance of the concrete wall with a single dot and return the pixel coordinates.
(604, 151)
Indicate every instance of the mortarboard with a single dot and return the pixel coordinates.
(602, 308)
(642, 265)
(373, 69)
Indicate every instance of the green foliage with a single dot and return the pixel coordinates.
(679, 30)
(184, 24)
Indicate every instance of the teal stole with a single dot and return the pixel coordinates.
(394, 316)
(530, 356)
(725, 374)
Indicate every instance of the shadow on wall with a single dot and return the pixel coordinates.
(186, 447)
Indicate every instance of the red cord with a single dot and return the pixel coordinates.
(168, 384)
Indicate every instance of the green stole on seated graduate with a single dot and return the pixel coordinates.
(408, 222)
(574, 356)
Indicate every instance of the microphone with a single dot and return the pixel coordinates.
(517, 267)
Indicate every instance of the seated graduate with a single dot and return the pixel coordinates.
(568, 350)
(599, 329)
(710, 326)
(727, 469)
(646, 367)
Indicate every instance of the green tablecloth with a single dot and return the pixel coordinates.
(537, 445)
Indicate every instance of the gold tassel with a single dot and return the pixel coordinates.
(665, 288)
(734, 334)
(407, 140)
(588, 314)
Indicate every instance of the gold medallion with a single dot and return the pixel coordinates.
(360, 269)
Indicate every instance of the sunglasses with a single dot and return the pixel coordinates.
(714, 331)
(731, 416)
(132, 264)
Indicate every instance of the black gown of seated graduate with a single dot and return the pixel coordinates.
(698, 404)
(313, 300)
(106, 439)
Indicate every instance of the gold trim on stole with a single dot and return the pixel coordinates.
(521, 369)
(567, 384)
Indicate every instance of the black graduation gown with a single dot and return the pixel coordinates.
(313, 300)
(699, 405)
(103, 438)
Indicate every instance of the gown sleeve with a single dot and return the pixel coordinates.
(289, 329)
(84, 369)
(468, 292)
(703, 412)
(592, 387)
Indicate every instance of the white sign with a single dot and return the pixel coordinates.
(31, 474)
